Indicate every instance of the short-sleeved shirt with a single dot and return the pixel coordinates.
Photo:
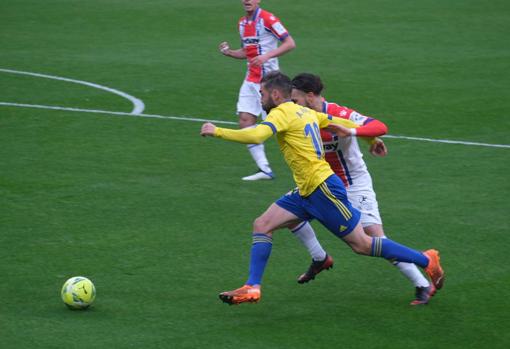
(260, 34)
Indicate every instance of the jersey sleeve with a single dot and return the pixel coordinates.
(373, 128)
(277, 121)
(249, 135)
(358, 118)
(325, 120)
(368, 127)
(275, 26)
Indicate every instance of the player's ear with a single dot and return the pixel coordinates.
(309, 97)
(275, 94)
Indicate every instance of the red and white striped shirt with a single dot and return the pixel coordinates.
(260, 34)
(343, 153)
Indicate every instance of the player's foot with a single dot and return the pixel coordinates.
(258, 176)
(244, 294)
(315, 268)
(434, 270)
(423, 295)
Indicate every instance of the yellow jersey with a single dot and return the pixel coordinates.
(297, 130)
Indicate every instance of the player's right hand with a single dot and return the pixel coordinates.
(378, 148)
(207, 129)
(224, 48)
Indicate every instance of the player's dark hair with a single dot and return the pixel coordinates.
(279, 81)
(307, 82)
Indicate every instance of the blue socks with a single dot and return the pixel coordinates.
(260, 252)
(391, 250)
(386, 248)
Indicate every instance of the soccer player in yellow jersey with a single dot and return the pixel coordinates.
(320, 194)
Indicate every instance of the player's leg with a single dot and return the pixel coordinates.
(329, 204)
(366, 245)
(364, 199)
(273, 218)
(424, 290)
(248, 109)
(305, 233)
(320, 259)
(393, 251)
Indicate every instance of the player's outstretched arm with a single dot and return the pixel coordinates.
(224, 48)
(249, 135)
(341, 127)
(373, 128)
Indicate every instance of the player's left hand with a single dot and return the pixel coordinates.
(339, 130)
(378, 148)
(259, 60)
(207, 129)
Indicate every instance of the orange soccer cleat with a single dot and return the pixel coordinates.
(434, 270)
(244, 294)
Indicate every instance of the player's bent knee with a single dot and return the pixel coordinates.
(261, 225)
(374, 230)
(358, 248)
(361, 245)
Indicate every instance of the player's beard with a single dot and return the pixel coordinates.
(270, 104)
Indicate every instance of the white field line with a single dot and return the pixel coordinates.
(138, 105)
(185, 118)
(449, 141)
(119, 113)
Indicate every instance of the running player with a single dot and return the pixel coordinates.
(346, 160)
(260, 33)
(319, 194)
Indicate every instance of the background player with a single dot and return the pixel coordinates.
(346, 160)
(260, 33)
(320, 193)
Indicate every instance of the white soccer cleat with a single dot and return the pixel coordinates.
(258, 176)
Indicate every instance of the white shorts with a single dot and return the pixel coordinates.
(249, 99)
(365, 201)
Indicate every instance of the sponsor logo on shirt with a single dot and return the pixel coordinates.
(357, 118)
(251, 40)
(279, 28)
(330, 147)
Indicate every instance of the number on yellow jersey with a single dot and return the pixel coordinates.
(313, 131)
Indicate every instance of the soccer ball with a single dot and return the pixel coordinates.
(78, 292)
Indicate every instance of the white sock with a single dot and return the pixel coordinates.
(259, 155)
(305, 233)
(412, 272)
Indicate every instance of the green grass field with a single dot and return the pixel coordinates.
(159, 219)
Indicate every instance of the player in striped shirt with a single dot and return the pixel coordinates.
(260, 32)
(346, 160)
